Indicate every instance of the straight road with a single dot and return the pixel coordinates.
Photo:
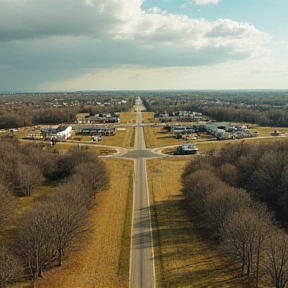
(142, 272)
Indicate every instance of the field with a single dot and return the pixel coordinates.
(265, 131)
(183, 258)
(127, 117)
(97, 261)
(156, 137)
(121, 138)
(148, 117)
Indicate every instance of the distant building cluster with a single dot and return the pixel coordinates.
(225, 131)
(97, 130)
(222, 131)
(85, 118)
(183, 116)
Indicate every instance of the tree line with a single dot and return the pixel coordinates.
(265, 108)
(18, 110)
(44, 233)
(235, 194)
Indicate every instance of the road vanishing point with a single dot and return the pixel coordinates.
(142, 269)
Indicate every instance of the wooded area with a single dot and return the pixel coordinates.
(40, 237)
(18, 110)
(265, 108)
(239, 195)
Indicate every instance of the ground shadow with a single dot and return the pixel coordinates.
(142, 238)
(184, 256)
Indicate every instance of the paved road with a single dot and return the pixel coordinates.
(142, 272)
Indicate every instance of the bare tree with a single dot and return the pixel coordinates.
(229, 174)
(28, 177)
(7, 206)
(221, 204)
(93, 176)
(244, 236)
(198, 163)
(197, 186)
(33, 238)
(67, 219)
(277, 256)
(10, 267)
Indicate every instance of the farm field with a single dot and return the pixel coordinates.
(183, 258)
(98, 261)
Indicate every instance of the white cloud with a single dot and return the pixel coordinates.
(206, 2)
(121, 20)
(84, 34)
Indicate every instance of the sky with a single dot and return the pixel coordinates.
(72, 45)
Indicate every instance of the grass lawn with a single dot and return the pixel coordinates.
(183, 258)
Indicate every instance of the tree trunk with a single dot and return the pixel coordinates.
(60, 256)
(40, 273)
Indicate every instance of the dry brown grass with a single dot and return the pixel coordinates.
(209, 145)
(205, 146)
(148, 117)
(127, 117)
(95, 262)
(156, 137)
(121, 138)
(183, 257)
(66, 146)
(266, 131)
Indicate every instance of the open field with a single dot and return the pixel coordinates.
(62, 146)
(127, 117)
(122, 138)
(96, 261)
(148, 117)
(156, 137)
(183, 258)
(205, 146)
(265, 131)
(209, 145)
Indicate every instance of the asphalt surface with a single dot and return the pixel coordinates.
(142, 271)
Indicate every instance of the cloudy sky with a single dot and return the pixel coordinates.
(60, 45)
